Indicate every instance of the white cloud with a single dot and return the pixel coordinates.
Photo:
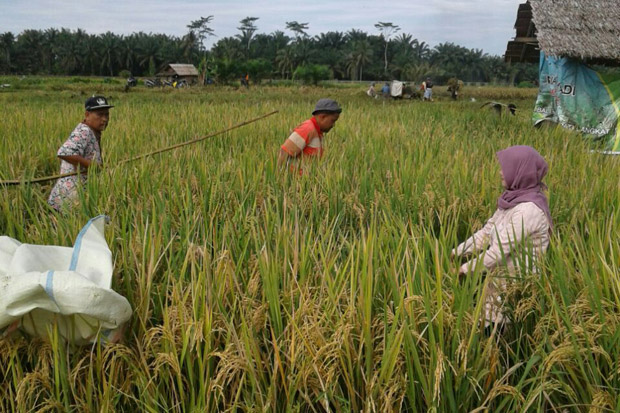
(482, 24)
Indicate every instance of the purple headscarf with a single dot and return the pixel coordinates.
(523, 170)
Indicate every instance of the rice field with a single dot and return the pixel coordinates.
(256, 290)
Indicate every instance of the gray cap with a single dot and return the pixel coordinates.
(327, 105)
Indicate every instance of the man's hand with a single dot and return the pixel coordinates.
(80, 162)
(282, 157)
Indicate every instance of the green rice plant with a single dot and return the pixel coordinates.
(255, 289)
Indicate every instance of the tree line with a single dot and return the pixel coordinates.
(284, 54)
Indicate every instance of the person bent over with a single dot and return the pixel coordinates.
(517, 234)
(307, 138)
(427, 86)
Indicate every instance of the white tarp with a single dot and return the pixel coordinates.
(397, 89)
(43, 285)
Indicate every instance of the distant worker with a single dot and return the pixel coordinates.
(371, 91)
(307, 138)
(500, 109)
(385, 90)
(517, 234)
(81, 151)
(427, 86)
(245, 81)
(454, 87)
(131, 82)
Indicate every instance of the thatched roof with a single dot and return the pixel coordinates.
(581, 29)
(180, 69)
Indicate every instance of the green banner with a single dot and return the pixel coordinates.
(578, 98)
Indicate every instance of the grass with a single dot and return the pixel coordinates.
(257, 290)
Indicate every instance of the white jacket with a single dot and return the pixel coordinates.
(511, 237)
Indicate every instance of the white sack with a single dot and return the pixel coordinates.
(397, 88)
(41, 285)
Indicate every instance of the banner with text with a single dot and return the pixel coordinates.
(579, 98)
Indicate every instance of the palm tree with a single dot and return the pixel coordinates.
(170, 49)
(149, 53)
(304, 50)
(6, 41)
(421, 50)
(418, 71)
(475, 64)
(90, 51)
(333, 52)
(31, 41)
(450, 58)
(494, 69)
(285, 59)
(275, 42)
(200, 28)
(298, 28)
(355, 35)
(228, 48)
(279, 39)
(330, 40)
(404, 42)
(68, 53)
(49, 49)
(128, 53)
(387, 29)
(190, 46)
(247, 29)
(109, 51)
(358, 57)
(403, 53)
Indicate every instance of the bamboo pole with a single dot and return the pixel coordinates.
(136, 158)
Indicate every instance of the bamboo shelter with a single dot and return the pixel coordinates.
(180, 71)
(583, 30)
(524, 47)
(567, 38)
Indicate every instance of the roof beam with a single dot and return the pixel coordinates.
(526, 40)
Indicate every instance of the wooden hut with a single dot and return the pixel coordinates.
(179, 71)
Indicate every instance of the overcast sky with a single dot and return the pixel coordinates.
(480, 24)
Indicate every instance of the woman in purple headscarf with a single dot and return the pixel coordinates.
(518, 232)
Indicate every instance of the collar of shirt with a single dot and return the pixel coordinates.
(317, 127)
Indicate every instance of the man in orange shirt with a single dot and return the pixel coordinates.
(307, 138)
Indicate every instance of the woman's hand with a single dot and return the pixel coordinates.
(461, 274)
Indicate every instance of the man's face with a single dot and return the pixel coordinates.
(327, 121)
(98, 119)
